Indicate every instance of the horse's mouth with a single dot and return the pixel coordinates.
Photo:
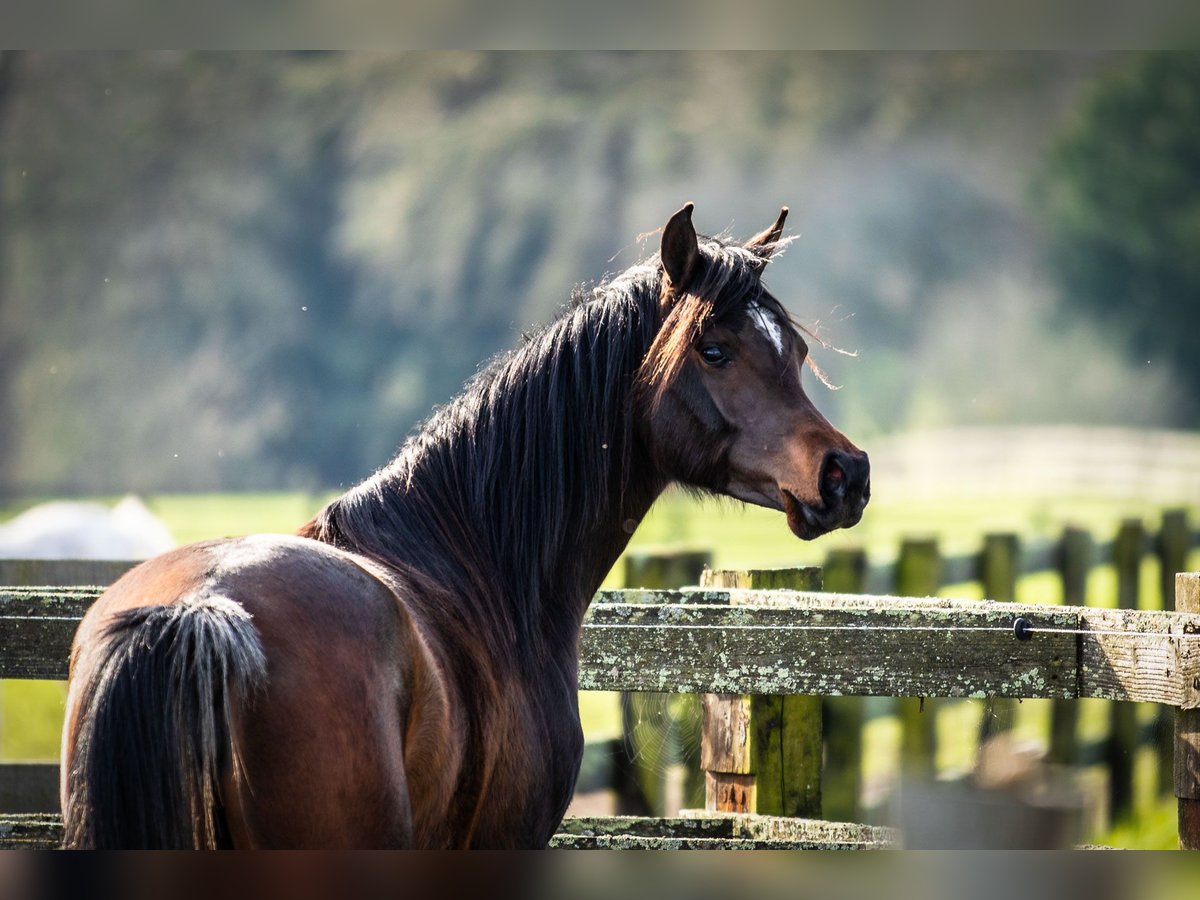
(805, 520)
(808, 522)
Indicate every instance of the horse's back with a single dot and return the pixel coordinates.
(341, 660)
(296, 590)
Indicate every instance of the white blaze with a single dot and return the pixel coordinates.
(765, 321)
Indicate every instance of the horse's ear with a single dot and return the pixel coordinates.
(680, 250)
(763, 243)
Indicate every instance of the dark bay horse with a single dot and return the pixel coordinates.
(403, 672)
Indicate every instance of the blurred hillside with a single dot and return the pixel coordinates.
(232, 271)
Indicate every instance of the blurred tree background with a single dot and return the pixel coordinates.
(1122, 193)
(232, 271)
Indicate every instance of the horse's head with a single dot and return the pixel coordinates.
(727, 409)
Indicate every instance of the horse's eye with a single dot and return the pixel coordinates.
(713, 354)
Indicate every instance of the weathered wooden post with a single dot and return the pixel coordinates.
(762, 753)
(1122, 744)
(1076, 552)
(1187, 734)
(918, 574)
(841, 780)
(1172, 547)
(999, 565)
(648, 772)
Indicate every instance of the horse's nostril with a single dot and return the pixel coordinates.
(844, 477)
(833, 477)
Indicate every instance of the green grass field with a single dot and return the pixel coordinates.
(739, 537)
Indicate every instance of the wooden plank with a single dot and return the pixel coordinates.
(1075, 555)
(651, 597)
(788, 643)
(28, 787)
(30, 832)
(49, 601)
(828, 645)
(732, 792)
(63, 572)
(36, 628)
(1172, 547)
(841, 778)
(646, 842)
(1128, 550)
(918, 574)
(1187, 733)
(882, 654)
(26, 832)
(762, 753)
(693, 830)
(845, 570)
(999, 563)
(1139, 656)
(726, 736)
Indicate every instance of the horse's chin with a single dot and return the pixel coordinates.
(809, 522)
(804, 520)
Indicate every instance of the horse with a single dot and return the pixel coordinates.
(402, 672)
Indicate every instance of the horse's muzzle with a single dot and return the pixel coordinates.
(845, 486)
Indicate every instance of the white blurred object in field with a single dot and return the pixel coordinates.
(71, 530)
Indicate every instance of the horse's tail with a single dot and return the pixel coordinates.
(154, 727)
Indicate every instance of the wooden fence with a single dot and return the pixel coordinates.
(920, 570)
(743, 646)
(739, 642)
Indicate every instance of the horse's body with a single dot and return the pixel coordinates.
(403, 673)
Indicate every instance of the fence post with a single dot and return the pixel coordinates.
(1122, 742)
(1075, 556)
(1187, 734)
(648, 772)
(1173, 544)
(762, 753)
(918, 574)
(1172, 547)
(999, 565)
(841, 780)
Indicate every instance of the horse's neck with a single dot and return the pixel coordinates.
(540, 571)
(511, 532)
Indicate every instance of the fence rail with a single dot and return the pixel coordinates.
(796, 642)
